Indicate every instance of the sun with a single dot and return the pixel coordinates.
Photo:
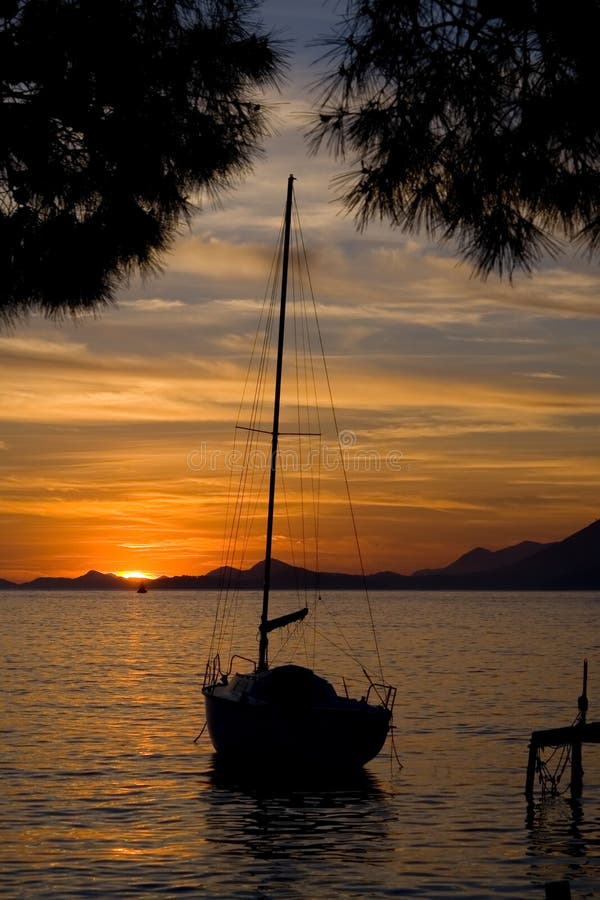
(134, 574)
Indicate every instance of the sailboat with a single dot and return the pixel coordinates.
(285, 716)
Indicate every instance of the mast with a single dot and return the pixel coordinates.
(264, 641)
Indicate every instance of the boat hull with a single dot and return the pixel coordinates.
(338, 736)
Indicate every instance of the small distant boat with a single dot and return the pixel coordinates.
(142, 589)
(286, 717)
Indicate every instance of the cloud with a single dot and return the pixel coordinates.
(543, 375)
(205, 255)
(41, 349)
(153, 304)
(395, 279)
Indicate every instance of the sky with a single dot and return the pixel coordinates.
(485, 394)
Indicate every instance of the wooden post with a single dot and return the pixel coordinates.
(576, 770)
(582, 702)
(558, 890)
(529, 781)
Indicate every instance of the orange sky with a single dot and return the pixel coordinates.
(485, 395)
(486, 400)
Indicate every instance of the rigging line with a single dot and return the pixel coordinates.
(347, 486)
(237, 518)
(301, 407)
(228, 597)
(235, 596)
(251, 515)
(310, 403)
(202, 730)
(271, 284)
(298, 633)
(225, 579)
(267, 314)
(311, 408)
(257, 406)
(355, 659)
(235, 521)
(257, 410)
(394, 750)
(294, 323)
(288, 519)
(242, 544)
(222, 613)
(256, 482)
(310, 379)
(315, 474)
(260, 361)
(270, 278)
(244, 522)
(335, 621)
(266, 317)
(297, 330)
(308, 400)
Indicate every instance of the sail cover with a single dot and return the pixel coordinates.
(280, 621)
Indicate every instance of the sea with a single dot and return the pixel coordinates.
(105, 794)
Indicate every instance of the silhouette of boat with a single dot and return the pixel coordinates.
(142, 589)
(283, 716)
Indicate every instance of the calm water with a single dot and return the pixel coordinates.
(106, 795)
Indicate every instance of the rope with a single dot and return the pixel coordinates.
(238, 517)
(549, 779)
(346, 484)
(202, 730)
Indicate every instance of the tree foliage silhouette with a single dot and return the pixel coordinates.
(477, 120)
(113, 115)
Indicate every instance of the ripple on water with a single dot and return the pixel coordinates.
(105, 794)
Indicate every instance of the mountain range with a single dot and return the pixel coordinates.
(570, 564)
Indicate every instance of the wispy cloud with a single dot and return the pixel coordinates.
(153, 304)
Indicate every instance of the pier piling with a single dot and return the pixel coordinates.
(558, 890)
(572, 738)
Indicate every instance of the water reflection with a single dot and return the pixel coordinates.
(224, 774)
(281, 831)
(561, 842)
(555, 819)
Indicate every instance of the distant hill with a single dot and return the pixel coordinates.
(482, 560)
(283, 577)
(7, 585)
(571, 564)
(91, 581)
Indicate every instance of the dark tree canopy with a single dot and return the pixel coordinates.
(476, 119)
(113, 114)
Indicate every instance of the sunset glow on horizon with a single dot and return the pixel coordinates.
(472, 408)
(115, 453)
(142, 575)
